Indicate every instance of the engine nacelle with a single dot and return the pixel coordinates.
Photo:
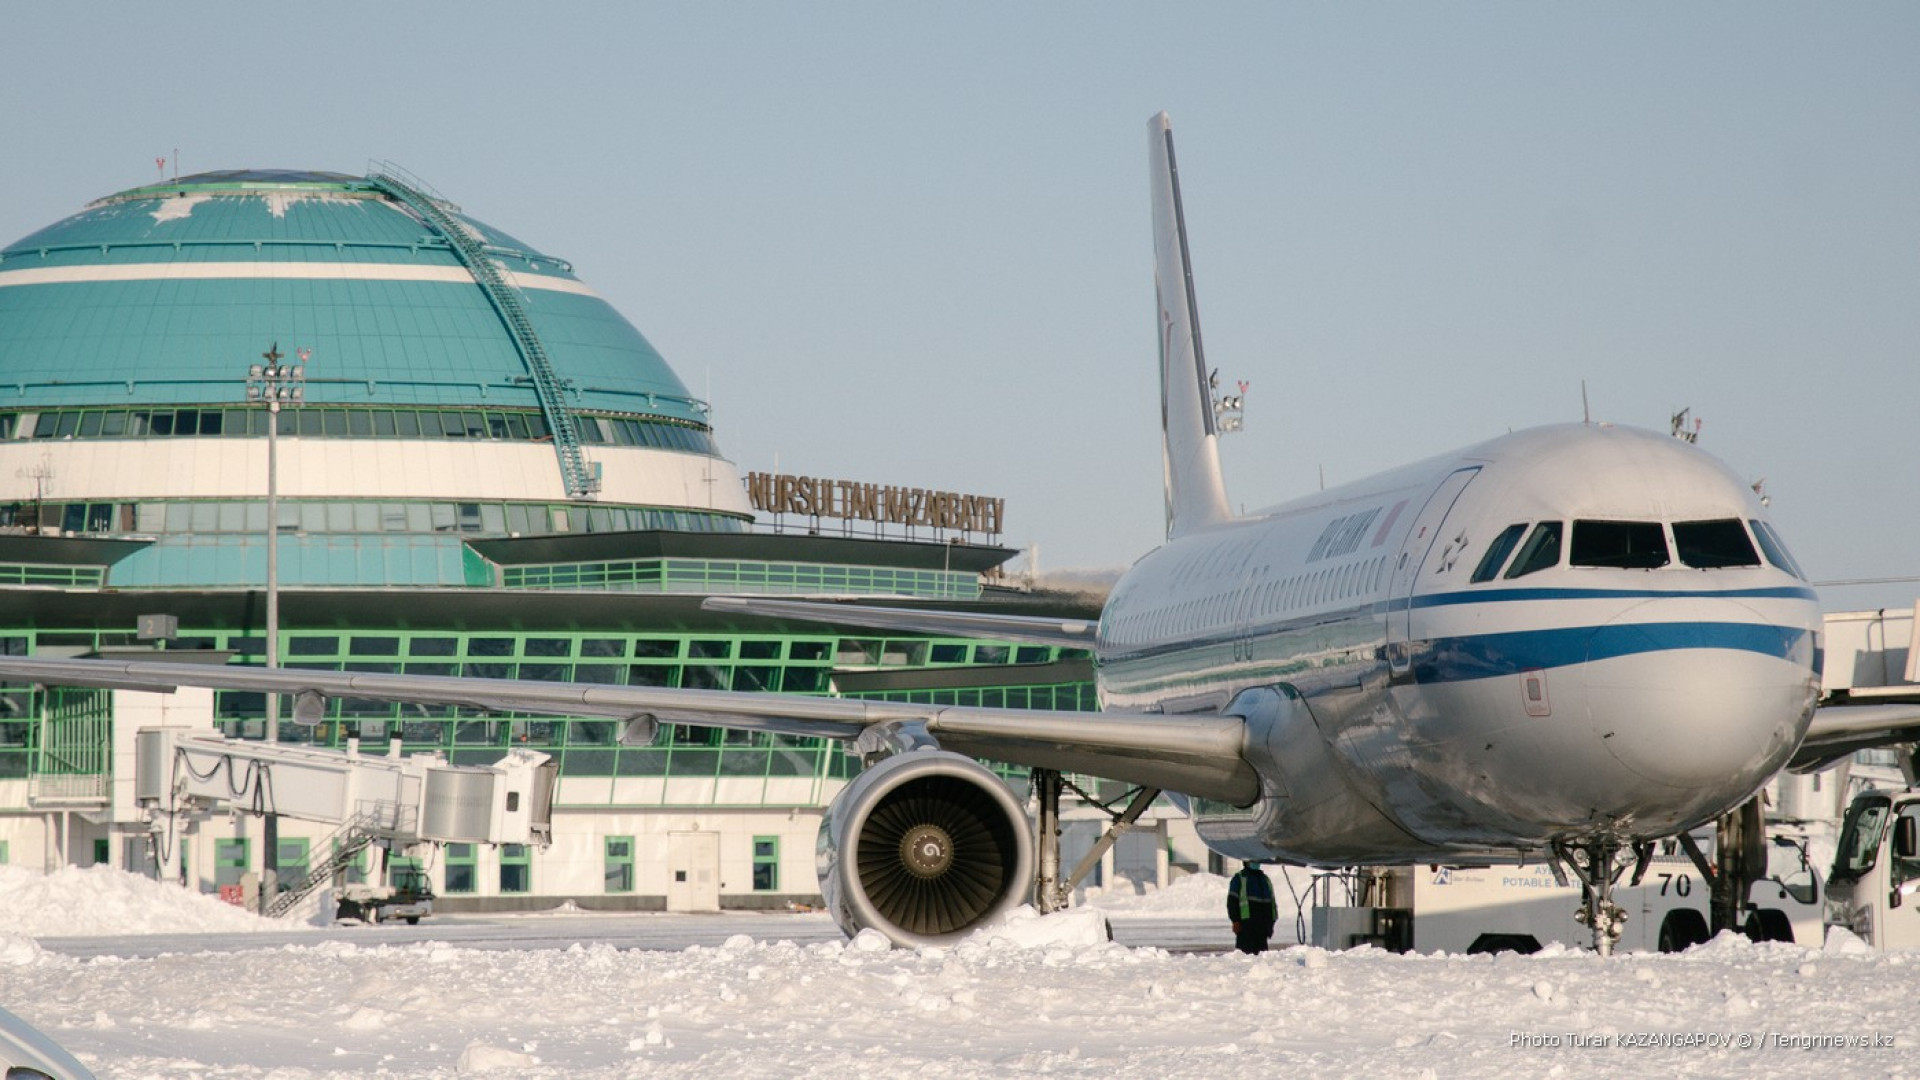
(924, 847)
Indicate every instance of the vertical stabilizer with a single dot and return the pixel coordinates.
(1196, 495)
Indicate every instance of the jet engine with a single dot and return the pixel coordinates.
(924, 846)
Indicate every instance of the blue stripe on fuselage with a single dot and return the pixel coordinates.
(1484, 656)
(1497, 596)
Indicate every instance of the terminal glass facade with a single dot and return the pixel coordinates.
(75, 734)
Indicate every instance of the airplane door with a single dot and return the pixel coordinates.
(693, 871)
(1421, 537)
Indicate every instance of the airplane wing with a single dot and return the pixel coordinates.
(1839, 730)
(1031, 629)
(1194, 755)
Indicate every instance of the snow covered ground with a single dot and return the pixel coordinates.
(1039, 996)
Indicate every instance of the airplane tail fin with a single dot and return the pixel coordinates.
(1196, 494)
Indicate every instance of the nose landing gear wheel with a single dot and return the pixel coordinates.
(1596, 864)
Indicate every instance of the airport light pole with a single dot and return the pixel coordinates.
(274, 383)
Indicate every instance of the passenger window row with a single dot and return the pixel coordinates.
(1268, 598)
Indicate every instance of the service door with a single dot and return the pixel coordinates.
(1422, 536)
(693, 871)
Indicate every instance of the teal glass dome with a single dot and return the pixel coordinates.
(164, 294)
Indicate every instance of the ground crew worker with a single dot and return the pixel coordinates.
(1251, 908)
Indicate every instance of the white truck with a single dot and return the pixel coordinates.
(1480, 909)
(1460, 910)
(407, 895)
(1876, 872)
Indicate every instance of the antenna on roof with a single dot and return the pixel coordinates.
(176, 163)
(1684, 430)
(1586, 414)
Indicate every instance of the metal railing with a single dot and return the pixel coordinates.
(371, 822)
(472, 252)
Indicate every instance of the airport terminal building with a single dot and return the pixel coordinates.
(481, 468)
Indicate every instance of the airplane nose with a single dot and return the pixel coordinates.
(1699, 693)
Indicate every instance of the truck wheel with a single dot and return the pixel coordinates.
(413, 920)
(1681, 930)
(1769, 924)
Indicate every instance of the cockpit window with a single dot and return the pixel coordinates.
(1620, 545)
(1776, 551)
(1497, 553)
(1711, 545)
(1540, 552)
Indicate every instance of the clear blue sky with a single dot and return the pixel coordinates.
(909, 242)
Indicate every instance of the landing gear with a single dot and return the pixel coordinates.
(1048, 896)
(1050, 892)
(1595, 863)
(1739, 860)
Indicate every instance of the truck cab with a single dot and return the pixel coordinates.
(1876, 872)
(408, 895)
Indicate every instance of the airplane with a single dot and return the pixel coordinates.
(1559, 644)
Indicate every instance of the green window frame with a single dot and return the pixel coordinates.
(402, 867)
(766, 864)
(230, 860)
(461, 873)
(516, 868)
(291, 858)
(619, 864)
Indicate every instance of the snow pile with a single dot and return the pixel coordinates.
(480, 1057)
(1032, 995)
(1202, 895)
(17, 951)
(1844, 942)
(317, 908)
(1025, 928)
(850, 1011)
(1193, 894)
(97, 900)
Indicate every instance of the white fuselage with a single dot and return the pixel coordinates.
(1638, 654)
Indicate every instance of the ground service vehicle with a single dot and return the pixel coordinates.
(408, 897)
(1477, 909)
(1876, 872)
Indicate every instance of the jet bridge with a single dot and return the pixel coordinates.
(386, 799)
(409, 799)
